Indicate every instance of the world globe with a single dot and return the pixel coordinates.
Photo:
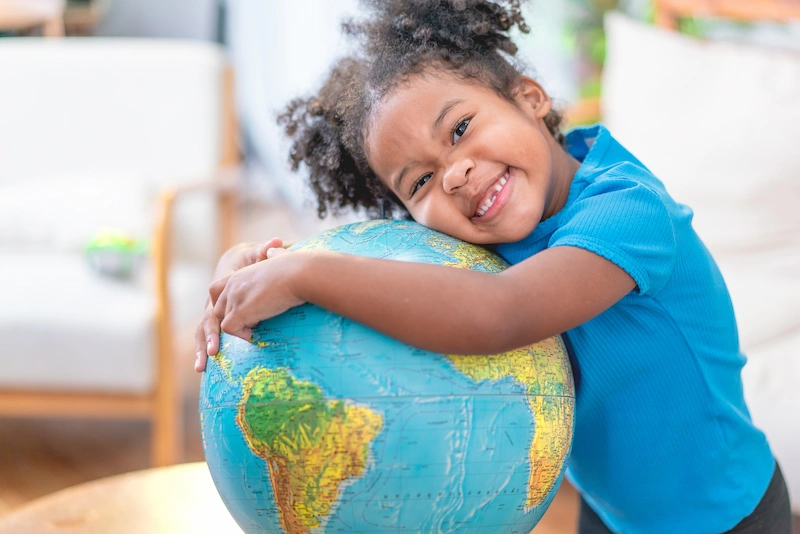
(320, 424)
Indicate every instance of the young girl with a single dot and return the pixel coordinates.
(435, 122)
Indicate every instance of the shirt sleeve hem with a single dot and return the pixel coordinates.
(612, 254)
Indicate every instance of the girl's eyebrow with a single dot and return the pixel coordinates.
(450, 104)
(399, 179)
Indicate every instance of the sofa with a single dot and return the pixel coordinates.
(718, 121)
(125, 137)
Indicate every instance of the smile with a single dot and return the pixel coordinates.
(491, 195)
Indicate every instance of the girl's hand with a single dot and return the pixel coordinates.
(257, 292)
(237, 257)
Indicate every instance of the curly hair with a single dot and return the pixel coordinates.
(400, 38)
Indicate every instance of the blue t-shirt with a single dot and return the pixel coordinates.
(663, 439)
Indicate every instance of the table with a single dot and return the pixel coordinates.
(179, 499)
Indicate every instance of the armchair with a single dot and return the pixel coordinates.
(716, 121)
(95, 133)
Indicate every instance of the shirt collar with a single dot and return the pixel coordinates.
(588, 145)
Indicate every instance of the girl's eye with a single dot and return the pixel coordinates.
(419, 183)
(460, 129)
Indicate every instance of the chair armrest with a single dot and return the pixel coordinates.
(224, 185)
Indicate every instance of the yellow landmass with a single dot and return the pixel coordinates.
(545, 370)
(327, 460)
(543, 367)
(551, 444)
(308, 465)
(224, 363)
(468, 256)
(318, 241)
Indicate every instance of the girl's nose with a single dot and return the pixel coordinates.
(457, 175)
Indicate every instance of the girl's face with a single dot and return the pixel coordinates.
(467, 162)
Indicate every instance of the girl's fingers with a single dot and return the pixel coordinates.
(220, 309)
(211, 327)
(216, 288)
(272, 243)
(259, 252)
(275, 252)
(233, 327)
(206, 338)
(200, 362)
(199, 345)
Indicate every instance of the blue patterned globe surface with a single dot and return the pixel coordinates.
(320, 424)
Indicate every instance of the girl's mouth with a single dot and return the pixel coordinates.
(492, 197)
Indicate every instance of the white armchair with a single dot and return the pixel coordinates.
(120, 134)
(718, 123)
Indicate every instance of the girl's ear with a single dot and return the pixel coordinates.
(533, 98)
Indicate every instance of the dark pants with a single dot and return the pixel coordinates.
(772, 515)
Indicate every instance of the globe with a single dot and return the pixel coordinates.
(320, 424)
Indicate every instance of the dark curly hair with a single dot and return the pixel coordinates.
(400, 38)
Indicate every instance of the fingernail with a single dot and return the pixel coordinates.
(199, 355)
(208, 345)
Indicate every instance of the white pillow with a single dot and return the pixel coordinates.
(63, 213)
(718, 123)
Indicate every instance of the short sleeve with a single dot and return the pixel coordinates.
(627, 223)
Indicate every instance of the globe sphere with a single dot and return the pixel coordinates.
(320, 424)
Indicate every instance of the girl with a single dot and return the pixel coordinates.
(435, 122)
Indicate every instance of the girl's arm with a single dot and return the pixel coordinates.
(437, 308)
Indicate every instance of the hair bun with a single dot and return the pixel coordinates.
(460, 26)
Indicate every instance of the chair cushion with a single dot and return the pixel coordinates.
(61, 213)
(66, 327)
(141, 114)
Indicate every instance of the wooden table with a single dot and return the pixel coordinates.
(180, 499)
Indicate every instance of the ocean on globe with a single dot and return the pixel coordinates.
(320, 424)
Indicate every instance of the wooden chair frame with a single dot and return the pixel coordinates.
(162, 406)
(667, 12)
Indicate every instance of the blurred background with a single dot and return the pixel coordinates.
(138, 140)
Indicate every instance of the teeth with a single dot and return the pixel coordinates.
(488, 204)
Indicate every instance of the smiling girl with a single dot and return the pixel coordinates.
(436, 122)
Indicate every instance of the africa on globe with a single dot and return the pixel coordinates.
(321, 424)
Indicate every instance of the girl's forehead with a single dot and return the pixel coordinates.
(419, 104)
(421, 88)
(405, 125)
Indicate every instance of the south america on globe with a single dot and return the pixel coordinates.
(320, 424)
